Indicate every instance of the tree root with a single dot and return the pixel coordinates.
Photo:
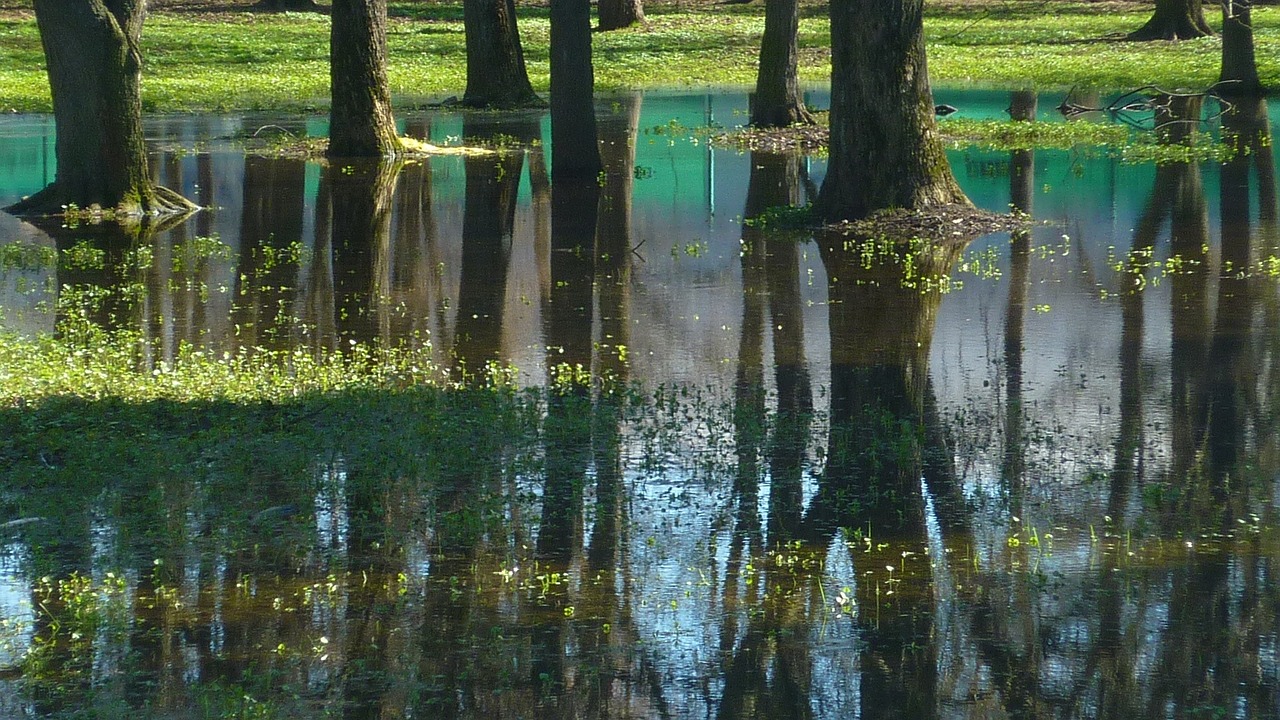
(54, 201)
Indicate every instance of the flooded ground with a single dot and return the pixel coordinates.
(691, 465)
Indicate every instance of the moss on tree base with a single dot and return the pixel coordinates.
(55, 201)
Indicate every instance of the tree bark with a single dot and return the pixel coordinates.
(574, 150)
(617, 14)
(1239, 66)
(885, 151)
(496, 74)
(360, 120)
(777, 101)
(95, 70)
(1174, 20)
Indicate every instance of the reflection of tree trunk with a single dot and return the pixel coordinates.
(540, 192)
(361, 221)
(496, 74)
(1174, 20)
(613, 280)
(1022, 106)
(769, 676)
(613, 232)
(1189, 241)
(1129, 440)
(775, 182)
(317, 307)
(777, 101)
(370, 546)
(885, 151)
(880, 336)
(270, 221)
(487, 225)
(567, 317)
(1209, 656)
(1229, 371)
(881, 330)
(748, 404)
(788, 445)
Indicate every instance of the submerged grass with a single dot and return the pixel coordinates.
(237, 60)
(1122, 142)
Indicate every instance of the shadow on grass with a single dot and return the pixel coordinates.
(236, 473)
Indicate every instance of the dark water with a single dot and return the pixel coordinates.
(1031, 476)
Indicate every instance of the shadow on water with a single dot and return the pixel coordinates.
(886, 495)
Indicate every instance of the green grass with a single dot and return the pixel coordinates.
(235, 60)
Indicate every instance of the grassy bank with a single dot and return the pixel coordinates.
(218, 56)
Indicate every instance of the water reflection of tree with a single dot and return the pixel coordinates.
(1022, 107)
(487, 226)
(881, 326)
(769, 672)
(1210, 655)
(271, 222)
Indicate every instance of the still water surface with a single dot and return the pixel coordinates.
(1035, 475)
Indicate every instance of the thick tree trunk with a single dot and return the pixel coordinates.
(885, 151)
(616, 14)
(1239, 66)
(496, 74)
(94, 70)
(778, 101)
(360, 121)
(574, 150)
(1174, 20)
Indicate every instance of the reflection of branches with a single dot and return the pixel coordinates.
(1150, 98)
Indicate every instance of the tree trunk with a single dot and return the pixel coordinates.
(1174, 20)
(1239, 67)
(496, 74)
(360, 121)
(777, 101)
(95, 70)
(616, 14)
(885, 151)
(574, 150)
